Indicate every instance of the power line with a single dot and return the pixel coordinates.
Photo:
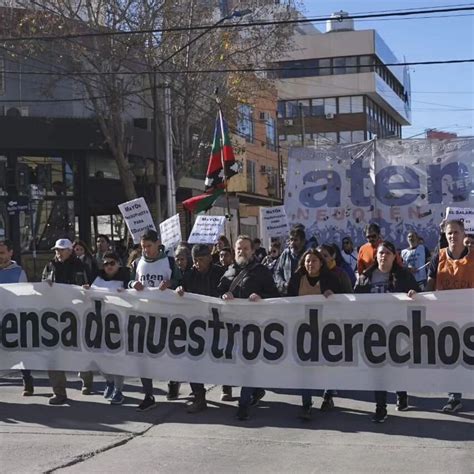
(236, 25)
(249, 69)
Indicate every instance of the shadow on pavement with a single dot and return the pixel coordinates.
(92, 413)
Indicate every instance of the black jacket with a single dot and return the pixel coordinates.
(71, 272)
(203, 283)
(328, 281)
(258, 279)
(401, 280)
(91, 267)
(122, 275)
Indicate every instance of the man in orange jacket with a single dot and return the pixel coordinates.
(452, 269)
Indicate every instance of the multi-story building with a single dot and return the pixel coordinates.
(58, 177)
(341, 86)
(258, 183)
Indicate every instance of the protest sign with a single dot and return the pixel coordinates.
(207, 229)
(273, 222)
(170, 231)
(462, 214)
(137, 217)
(356, 342)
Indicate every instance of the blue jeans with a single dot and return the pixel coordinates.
(147, 385)
(381, 397)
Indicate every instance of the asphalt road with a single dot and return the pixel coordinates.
(88, 435)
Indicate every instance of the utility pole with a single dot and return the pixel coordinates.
(171, 186)
(155, 151)
(302, 124)
(280, 159)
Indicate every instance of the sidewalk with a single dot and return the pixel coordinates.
(89, 435)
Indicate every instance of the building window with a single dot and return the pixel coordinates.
(245, 124)
(294, 140)
(53, 219)
(354, 136)
(251, 177)
(52, 174)
(317, 107)
(281, 109)
(340, 65)
(304, 107)
(321, 107)
(351, 104)
(330, 105)
(324, 138)
(324, 67)
(344, 137)
(366, 63)
(292, 109)
(270, 127)
(358, 136)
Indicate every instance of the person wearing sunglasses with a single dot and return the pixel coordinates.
(112, 277)
(367, 251)
(348, 253)
(271, 260)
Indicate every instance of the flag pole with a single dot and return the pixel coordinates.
(221, 123)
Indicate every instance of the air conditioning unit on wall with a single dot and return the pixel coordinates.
(330, 116)
(288, 122)
(13, 111)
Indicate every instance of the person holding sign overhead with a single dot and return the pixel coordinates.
(154, 269)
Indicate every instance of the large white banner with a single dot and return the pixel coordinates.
(402, 185)
(344, 342)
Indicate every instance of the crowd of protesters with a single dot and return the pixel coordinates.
(295, 267)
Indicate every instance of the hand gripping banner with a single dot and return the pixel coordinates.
(359, 342)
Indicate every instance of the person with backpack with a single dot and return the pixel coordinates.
(154, 269)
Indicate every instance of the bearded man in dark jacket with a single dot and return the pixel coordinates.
(249, 279)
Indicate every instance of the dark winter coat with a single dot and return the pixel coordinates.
(203, 283)
(258, 279)
(71, 272)
(328, 281)
(401, 280)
